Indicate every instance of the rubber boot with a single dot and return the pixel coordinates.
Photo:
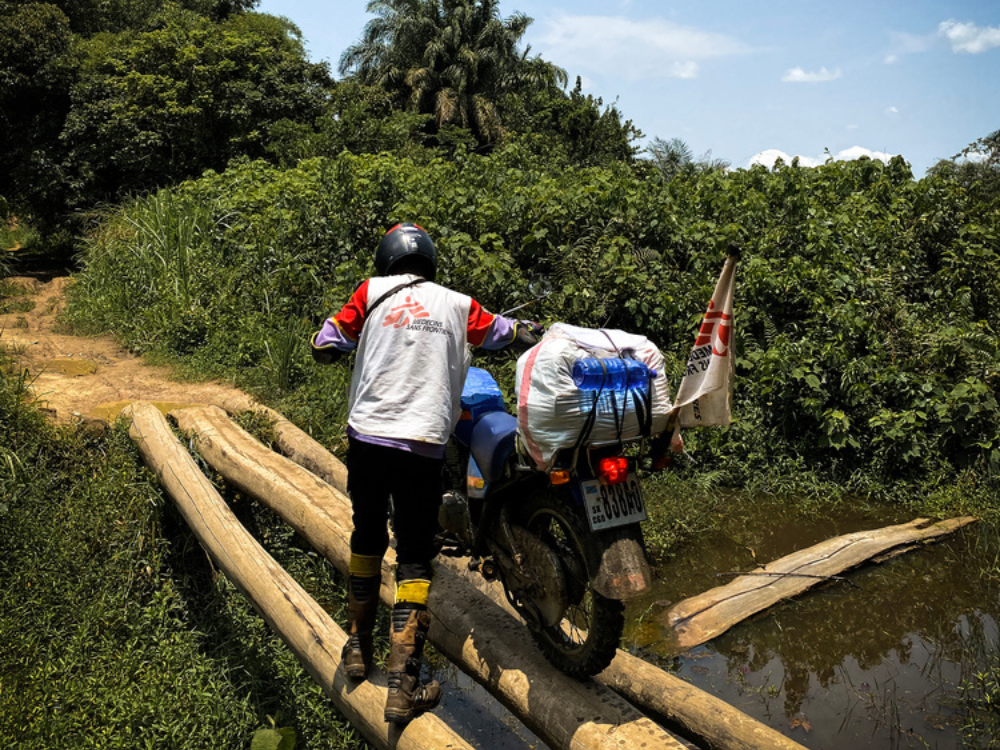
(362, 607)
(407, 697)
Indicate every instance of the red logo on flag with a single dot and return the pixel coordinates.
(715, 330)
(402, 315)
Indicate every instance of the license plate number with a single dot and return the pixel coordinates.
(610, 505)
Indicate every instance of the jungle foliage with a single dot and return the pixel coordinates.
(867, 332)
(104, 100)
(94, 118)
(866, 303)
(976, 167)
(451, 60)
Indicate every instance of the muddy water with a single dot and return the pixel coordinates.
(477, 716)
(875, 662)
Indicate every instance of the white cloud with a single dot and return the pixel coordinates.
(687, 69)
(798, 75)
(770, 156)
(967, 37)
(902, 43)
(650, 48)
(892, 110)
(856, 152)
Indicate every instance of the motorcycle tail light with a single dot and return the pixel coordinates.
(613, 470)
(559, 476)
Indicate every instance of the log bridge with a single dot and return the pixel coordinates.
(473, 625)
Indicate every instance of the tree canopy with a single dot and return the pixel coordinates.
(36, 70)
(976, 167)
(168, 103)
(106, 99)
(453, 59)
(675, 157)
(88, 17)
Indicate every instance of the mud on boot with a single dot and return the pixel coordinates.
(362, 608)
(407, 696)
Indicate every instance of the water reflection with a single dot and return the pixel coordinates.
(874, 665)
(477, 716)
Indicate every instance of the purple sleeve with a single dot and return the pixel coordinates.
(331, 335)
(500, 334)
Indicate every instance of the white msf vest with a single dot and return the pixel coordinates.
(411, 362)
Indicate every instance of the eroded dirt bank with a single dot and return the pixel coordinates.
(77, 378)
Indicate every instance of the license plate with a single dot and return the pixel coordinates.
(610, 505)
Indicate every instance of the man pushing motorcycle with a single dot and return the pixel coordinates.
(410, 336)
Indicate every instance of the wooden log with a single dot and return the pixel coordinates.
(701, 618)
(467, 628)
(307, 629)
(293, 442)
(710, 722)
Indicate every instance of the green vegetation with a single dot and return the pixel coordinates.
(104, 100)
(115, 632)
(867, 356)
(230, 194)
(981, 690)
(675, 157)
(454, 61)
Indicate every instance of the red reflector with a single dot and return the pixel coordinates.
(613, 470)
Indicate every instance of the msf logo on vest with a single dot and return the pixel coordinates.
(405, 314)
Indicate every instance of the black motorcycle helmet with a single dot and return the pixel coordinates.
(410, 243)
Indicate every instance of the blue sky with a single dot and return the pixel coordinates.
(750, 79)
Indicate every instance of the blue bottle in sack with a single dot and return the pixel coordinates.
(594, 373)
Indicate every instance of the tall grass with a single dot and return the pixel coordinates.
(154, 249)
(115, 630)
(980, 689)
(166, 238)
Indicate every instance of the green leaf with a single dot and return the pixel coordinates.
(273, 739)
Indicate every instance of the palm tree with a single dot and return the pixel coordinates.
(675, 157)
(454, 59)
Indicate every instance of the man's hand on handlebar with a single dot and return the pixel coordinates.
(527, 333)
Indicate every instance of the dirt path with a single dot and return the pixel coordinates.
(75, 378)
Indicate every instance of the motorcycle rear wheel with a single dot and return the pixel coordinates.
(586, 640)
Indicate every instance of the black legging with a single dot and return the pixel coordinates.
(376, 472)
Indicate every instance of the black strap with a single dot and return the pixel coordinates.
(588, 424)
(391, 292)
(643, 401)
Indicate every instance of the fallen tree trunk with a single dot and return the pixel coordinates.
(307, 629)
(467, 628)
(710, 722)
(293, 442)
(701, 618)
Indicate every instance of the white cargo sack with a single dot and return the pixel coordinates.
(552, 412)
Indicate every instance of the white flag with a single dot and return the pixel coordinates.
(706, 389)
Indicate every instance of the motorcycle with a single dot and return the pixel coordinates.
(565, 543)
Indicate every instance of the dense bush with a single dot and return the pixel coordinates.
(865, 300)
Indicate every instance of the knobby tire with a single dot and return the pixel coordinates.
(594, 623)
